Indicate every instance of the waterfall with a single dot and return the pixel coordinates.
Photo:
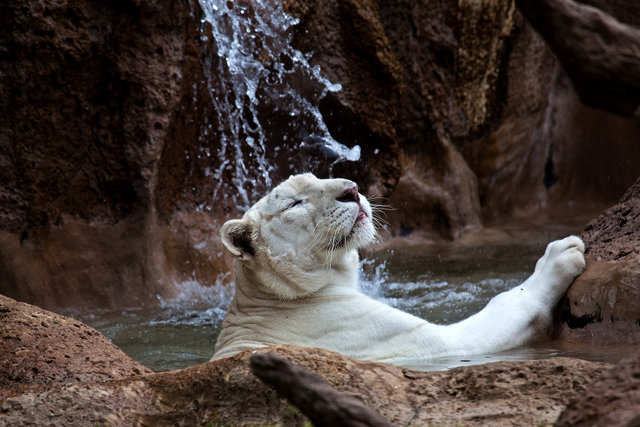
(265, 96)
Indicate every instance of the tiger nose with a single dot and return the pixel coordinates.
(349, 195)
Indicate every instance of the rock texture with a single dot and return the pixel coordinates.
(110, 140)
(88, 93)
(538, 147)
(603, 304)
(225, 392)
(600, 54)
(611, 400)
(350, 45)
(615, 234)
(41, 347)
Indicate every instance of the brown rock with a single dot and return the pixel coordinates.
(603, 304)
(611, 400)
(225, 392)
(437, 191)
(600, 54)
(479, 81)
(422, 202)
(615, 235)
(41, 347)
(564, 134)
(536, 148)
(88, 93)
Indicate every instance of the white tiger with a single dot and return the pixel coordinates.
(297, 283)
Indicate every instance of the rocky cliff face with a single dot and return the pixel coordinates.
(89, 91)
(108, 134)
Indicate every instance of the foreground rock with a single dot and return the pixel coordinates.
(40, 347)
(226, 392)
(603, 304)
(612, 400)
(314, 397)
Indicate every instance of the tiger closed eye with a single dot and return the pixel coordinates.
(294, 203)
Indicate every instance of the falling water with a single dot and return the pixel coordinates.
(265, 95)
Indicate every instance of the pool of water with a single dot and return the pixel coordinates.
(442, 283)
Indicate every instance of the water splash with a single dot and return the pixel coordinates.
(262, 91)
(196, 305)
(440, 302)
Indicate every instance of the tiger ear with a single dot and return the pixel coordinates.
(236, 237)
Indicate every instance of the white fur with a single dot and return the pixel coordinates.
(297, 283)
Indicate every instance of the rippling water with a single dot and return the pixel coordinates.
(440, 283)
(176, 334)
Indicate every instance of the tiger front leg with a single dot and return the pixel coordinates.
(561, 263)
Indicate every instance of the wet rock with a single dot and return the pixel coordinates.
(611, 400)
(225, 392)
(41, 347)
(109, 142)
(603, 304)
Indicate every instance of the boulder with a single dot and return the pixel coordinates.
(226, 392)
(611, 400)
(41, 347)
(602, 306)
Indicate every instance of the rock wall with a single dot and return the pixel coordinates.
(487, 123)
(107, 134)
(89, 91)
